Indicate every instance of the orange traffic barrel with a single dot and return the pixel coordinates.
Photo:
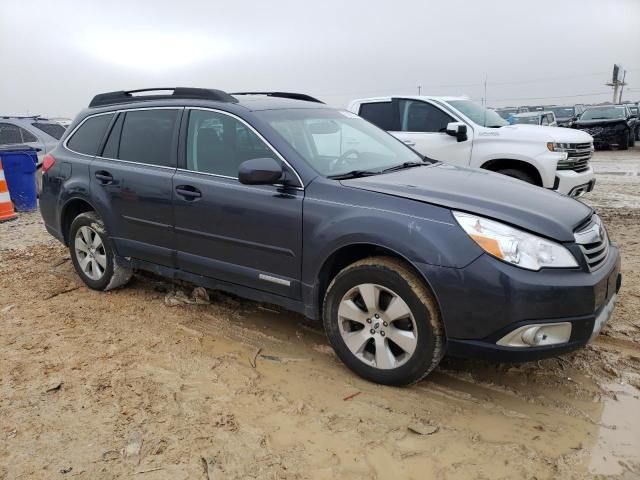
(6, 207)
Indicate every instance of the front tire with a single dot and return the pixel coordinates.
(519, 174)
(92, 254)
(623, 144)
(383, 322)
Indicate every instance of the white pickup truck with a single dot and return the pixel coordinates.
(459, 131)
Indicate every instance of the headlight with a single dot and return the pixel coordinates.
(558, 147)
(515, 246)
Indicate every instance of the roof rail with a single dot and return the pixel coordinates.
(122, 96)
(293, 96)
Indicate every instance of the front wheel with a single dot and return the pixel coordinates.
(519, 174)
(92, 254)
(624, 142)
(383, 322)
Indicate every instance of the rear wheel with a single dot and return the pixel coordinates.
(92, 254)
(519, 174)
(383, 322)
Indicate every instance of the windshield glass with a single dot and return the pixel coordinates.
(528, 120)
(562, 112)
(335, 142)
(603, 113)
(478, 114)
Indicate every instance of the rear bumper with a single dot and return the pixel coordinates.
(488, 299)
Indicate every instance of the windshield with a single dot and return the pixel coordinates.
(603, 113)
(528, 120)
(562, 112)
(478, 114)
(336, 142)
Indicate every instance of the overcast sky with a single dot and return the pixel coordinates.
(55, 55)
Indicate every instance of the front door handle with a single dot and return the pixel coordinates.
(104, 177)
(188, 192)
(409, 143)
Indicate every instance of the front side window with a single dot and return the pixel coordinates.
(419, 116)
(334, 142)
(88, 137)
(147, 136)
(218, 143)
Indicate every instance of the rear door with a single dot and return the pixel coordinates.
(242, 234)
(132, 180)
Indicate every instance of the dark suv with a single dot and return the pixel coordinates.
(278, 198)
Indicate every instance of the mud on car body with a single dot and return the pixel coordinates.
(278, 198)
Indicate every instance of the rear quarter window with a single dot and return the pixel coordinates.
(88, 137)
(54, 130)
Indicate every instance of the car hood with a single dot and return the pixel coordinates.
(485, 193)
(603, 122)
(540, 133)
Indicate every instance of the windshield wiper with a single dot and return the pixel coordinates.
(403, 166)
(353, 174)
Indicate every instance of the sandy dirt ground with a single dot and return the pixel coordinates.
(124, 385)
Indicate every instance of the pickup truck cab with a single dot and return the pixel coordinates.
(459, 131)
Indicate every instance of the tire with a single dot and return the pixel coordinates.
(638, 133)
(519, 174)
(93, 255)
(376, 357)
(623, 144)
(632, 140)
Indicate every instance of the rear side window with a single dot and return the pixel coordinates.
(10, 133)
(54, 130)
(147, 136)
(379, 113)
(88, 137)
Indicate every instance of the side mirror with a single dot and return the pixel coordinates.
(260, 171)
(458, 130)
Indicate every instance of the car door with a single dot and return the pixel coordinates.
(423, 127)
(132, 180)
(246, 235)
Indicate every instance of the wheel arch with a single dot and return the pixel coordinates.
(70, 210)
(345, 255)
(497, 164)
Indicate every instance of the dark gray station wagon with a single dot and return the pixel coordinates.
(278, 198)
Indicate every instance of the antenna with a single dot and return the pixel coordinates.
(419, 89)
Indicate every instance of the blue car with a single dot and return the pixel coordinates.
(278, 198)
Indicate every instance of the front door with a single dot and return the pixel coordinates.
(242, 234)
(132, 179)
(423, 127)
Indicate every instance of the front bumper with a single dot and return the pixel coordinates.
(574, 184)
(492, 299)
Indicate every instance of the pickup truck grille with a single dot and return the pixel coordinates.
(578, 157)
(594, 243)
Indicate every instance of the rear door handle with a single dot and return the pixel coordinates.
(104, 177)
(409, 143)
(189, 192)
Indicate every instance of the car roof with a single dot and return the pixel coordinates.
(411, 97)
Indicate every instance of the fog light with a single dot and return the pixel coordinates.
(537, 335)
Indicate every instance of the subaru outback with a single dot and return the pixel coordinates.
(278, 198)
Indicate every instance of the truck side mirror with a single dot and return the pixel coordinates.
(458, 130)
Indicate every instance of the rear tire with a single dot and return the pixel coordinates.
(93, 255)
(519, 174)
(398, 308)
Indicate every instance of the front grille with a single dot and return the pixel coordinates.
(594, 243)
(578, 157)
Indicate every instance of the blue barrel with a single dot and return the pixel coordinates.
(19, 164)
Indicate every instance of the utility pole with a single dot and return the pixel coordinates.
(624, 75)
(419, 89)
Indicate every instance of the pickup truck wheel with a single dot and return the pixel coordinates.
(92, 254)
(383, 322)
(623, 144)
(519, 174)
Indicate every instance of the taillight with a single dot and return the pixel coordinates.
(47, 162)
